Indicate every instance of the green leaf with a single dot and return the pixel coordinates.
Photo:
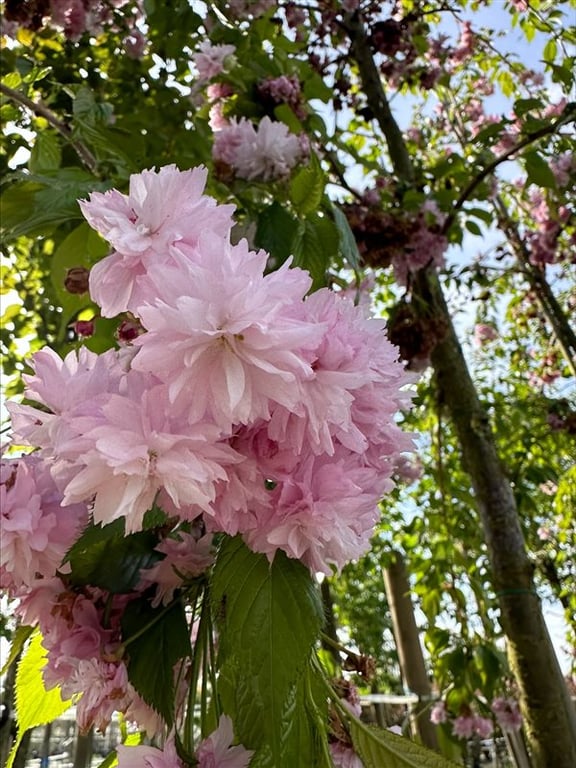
(538, 171)
(472, 227)
(34, 704)
(17, 643)
(152, 655)
(285, 114)
(521, 106)
(104, 557)
(550, 50)
(378, 748)
(316, 246)
(45, 200)
(307, 188)
(46, 153)
(275, 232)
(348, 245)
(269, 616)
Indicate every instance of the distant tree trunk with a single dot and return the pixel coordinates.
(549, 713)
(45, 753)
(409, 649)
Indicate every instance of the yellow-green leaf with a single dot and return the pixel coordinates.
(34, 704)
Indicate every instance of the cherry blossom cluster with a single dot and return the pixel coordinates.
(263, 410)
(264, 152)
(407, 240)
(75, 17)
(469, 724)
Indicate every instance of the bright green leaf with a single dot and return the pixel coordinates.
(34, 704)
(378, 748)
(307, 188)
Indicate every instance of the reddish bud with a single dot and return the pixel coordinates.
(76, 280)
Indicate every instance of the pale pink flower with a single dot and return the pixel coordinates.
(483, 333)
(149, 757)
(137, 447)
(36, 530)
(234, 343)
(507, 714)
(322, 514)
(104, 687)
(217, 751)
(211, 60)
(162, 209)
(463, 727)
(273, 154)
(185, 557)
(483, 727)
(264, 153)
(438, 713)
(344, 756)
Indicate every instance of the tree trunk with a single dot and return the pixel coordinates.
(410, 653)
(549, 713)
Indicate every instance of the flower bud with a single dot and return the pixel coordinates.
(76, 280)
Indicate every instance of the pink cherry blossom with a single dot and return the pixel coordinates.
(185, 557)
(265, 153)
(323, 514)
(149, 757)
(211, 60)
(235, 342)
(136, 447)
(463, 726)
(484, 333)
(217, 751)
(507, 713)
(343, 756)
(438, 713)
(36, 530)
(162, 208)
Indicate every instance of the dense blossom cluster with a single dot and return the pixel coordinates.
(264, 152)
(75, 17)
(236, 403)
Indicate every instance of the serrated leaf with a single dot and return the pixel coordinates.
(153, 654)
(34, 704)
(104, 557)
(46, 153)
(315, 247)
(377, 748)
(307, 188)
(269, 616)
(17, 643)
(348, 245)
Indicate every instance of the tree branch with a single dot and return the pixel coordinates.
(563, 331)
(40, 109)
(377, 100)
(491, 167)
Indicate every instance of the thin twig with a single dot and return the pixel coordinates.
(39, 108)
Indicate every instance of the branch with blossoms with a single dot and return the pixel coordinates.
(568, 116)
(184, 487)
